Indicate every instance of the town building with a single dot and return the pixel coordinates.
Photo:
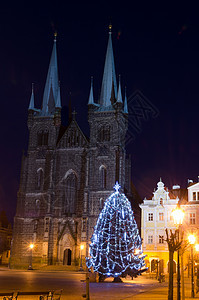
(156, 217)
(5, 239)
(66, 177)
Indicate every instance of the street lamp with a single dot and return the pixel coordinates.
(192, 240)
(197, 280)
(31, 246)
(178, 215)
(81, 248)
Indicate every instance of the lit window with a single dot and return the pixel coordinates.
(161, 239)
(197, 196)
(150, 217)
(192, 218)
(161, 216)
(194, 196)
(150, 239)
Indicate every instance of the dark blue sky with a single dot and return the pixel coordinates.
(156, 49)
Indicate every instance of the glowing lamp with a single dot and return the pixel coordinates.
(178, 215)
(31, 246)
(81, 246)
(197, 247)
(136, 251)
(192, 239)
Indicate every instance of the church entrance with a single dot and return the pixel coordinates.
(67, 257)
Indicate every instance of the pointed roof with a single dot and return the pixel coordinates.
(119, 94)
(109, 77)
(58, 101)
(52, 83)
(125, 103)
(91, 99)
(69, 131)
(32, 100)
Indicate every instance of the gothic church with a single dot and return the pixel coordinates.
(65, 177)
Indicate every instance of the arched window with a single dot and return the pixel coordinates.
(104, 133)
(37, 205)
(102, 177)
(70, 193)
(40, 178)
(107, 133)
(101, 204)
(42, 138)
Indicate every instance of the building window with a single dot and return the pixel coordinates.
(35, 226)
(84, 225)
(150, 239)
(46, 224)
(42, 138)
(104, 133)
(161, 201)
(101, 203)
(161, 239)
(102, 177)
(150, 217)
(70, 194)
(194, 196)
(40, 178)
(192, 218)
(197, 196)
(161, 216)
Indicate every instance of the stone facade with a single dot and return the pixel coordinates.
(65, 177)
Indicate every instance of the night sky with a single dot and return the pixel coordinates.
(156, 50)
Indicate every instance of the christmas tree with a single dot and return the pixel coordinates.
(116, 247)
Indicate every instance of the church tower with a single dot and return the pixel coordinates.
(108, 120)
(33, 218)
(65, 178)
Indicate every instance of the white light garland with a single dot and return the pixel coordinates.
(115, 238)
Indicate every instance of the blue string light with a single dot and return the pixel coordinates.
(116, 246)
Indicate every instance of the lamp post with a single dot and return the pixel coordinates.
(81, 248)
(192, 240)
(31, 246)
(178, 215)
(197, 280)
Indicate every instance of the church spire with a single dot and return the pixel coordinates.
(125, 103)
(52, 84)
(32, 100)
(58, 100)
(109, 77)
(119, 94)
(91, 99)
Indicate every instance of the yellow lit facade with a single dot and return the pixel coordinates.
(156, 216)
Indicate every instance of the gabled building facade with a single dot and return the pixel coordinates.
(65, 177)
(156, 216)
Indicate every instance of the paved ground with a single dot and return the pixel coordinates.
(73, 284)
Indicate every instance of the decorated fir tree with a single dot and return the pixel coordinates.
(115, 248)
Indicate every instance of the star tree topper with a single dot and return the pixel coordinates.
(117, 187)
